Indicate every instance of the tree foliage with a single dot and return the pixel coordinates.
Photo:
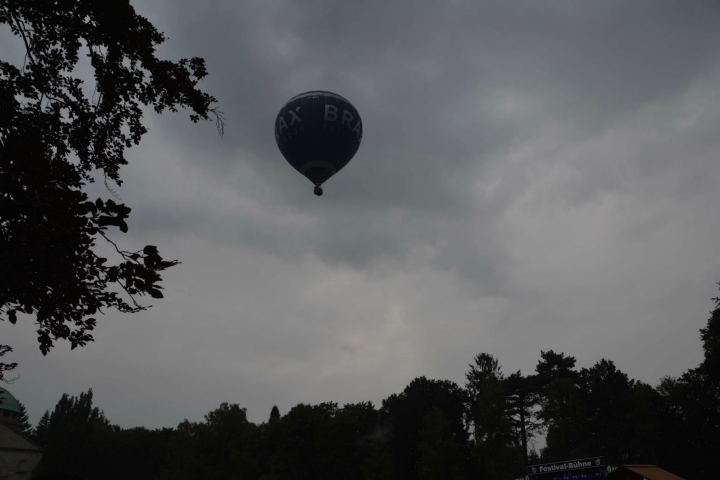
(442, 454)
(432, 429)
(73, 436)
(274, 414)
(688, 420)
(218, 448)
(523, 396)
(25, 427)
(496, 451)
(41, 432)
(55, 139)
(408, 410)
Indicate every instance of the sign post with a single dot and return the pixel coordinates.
(582, 469)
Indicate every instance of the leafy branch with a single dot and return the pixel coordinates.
(54, 141)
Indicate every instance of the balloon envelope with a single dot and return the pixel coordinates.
(318, 133)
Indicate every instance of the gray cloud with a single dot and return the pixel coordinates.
(532, 176)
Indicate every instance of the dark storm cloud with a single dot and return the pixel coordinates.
(533, 175)
(444, 89)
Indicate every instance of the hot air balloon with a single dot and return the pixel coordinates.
(318, 133)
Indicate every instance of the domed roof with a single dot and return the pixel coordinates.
(8, 401)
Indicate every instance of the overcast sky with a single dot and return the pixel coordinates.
(532, 176)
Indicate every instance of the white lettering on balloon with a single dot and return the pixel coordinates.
(281, 125)
(346, 118)
(331, 116)
(294, 117)
(330, 113)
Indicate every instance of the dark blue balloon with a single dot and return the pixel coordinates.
(318, 133)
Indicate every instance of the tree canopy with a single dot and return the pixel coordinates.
(431, 430)
(55, 139)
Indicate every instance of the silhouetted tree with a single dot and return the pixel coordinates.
(341, 440)
(523, 397)
(555, 366)
(607, 394)
(76, 421)
(6, 367)
(644, 422)
(299, 452)
(146, 448)
(442, 454)
(688, 425)
(214, 448)
(41, 431)
(75, 443)
(495, 451)
(324, 442)
(596, 411)
(710, 336)
(378, 463)
(421, 433)
(683, 445)
(54, 140)
(561, 406)
(563, 415)
(485, 366)
(407, 412)
(25, 427)
(709, 370)
(274, 414)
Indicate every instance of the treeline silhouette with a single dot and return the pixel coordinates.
(433, 429)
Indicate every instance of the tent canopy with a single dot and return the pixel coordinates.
(640, 472)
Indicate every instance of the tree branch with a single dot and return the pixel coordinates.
(22, 32)
(125, 256)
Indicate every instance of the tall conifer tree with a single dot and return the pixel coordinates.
(25, 427)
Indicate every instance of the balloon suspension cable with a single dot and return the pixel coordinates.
(318, 190)
(301, 178)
